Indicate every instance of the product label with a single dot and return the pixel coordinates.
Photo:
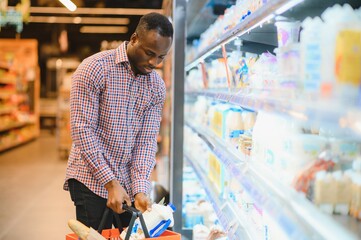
(348, 57)
(215, 171)
(217, 123)
(312, 67)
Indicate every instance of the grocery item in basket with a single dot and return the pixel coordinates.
(84, 232)
(157, 219)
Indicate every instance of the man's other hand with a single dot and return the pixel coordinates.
(116, 196)
(142, 202)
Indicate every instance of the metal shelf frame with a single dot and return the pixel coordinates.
(176, 151)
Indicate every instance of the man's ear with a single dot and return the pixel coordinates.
(134, 38)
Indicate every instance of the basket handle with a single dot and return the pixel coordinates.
(104, 219)
(135, 214)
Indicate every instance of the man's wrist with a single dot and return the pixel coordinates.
(139, 193)
(141, 186)
(111, 184)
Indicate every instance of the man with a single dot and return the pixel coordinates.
(116, 103)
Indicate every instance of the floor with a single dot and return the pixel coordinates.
(33, 203)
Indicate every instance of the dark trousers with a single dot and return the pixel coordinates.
(90, 207)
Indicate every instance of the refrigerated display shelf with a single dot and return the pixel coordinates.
(296, 215)
(260, 16)
(328, 113)
(224, 213)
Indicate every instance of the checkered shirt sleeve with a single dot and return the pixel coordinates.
(86, 84)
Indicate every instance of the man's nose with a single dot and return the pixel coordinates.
(153, 61)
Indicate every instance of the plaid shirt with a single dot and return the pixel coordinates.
(115, 118)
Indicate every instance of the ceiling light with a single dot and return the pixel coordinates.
(79, 20)
(51, 19)
(95, 11)
(103, 29)
(69, 5)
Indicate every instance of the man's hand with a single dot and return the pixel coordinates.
(116, 196)
(215, 234)
(142, 202)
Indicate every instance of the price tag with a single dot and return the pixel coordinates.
(224, 54)
(204, 75)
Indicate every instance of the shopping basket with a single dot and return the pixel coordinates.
(115, 232)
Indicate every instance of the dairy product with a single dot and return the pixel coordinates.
(234, 126)
(287, 31)
(157, 219)
(311, 55)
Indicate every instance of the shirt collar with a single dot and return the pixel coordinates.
(121, 56)
(121, 53)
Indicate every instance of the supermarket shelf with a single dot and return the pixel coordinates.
(223, 211)
(48, 107)
(318, 112)
(20, 100)
(7, 81)
(16, 143)
(4, 65)
(6, 95)
(297, 216)
(7, 110)
(256, 19)
(248, 29)
(12, 126)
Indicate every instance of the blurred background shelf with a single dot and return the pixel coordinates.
(20, 105)
(7, 109)
(15, 143)
(12, 126)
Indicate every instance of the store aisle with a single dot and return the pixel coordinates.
(33, 203)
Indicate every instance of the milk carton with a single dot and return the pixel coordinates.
(157, 219)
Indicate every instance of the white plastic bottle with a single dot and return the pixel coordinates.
(233, 125)
(334, 50)
(258, 141)
(311, 55)
(355, 206)
(343, 193)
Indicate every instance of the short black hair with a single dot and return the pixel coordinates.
(155, 21)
